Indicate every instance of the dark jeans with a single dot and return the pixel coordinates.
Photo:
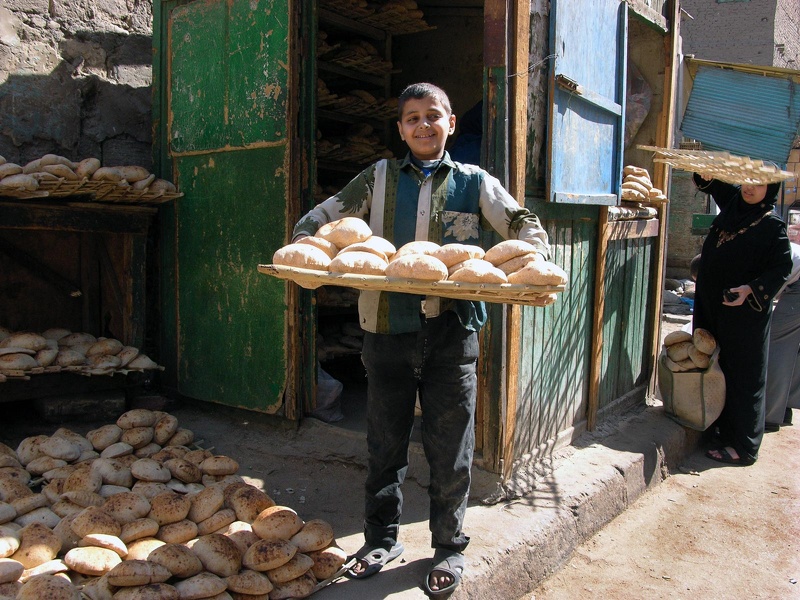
(440, 362)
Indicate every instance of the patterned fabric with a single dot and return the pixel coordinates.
(400, 204)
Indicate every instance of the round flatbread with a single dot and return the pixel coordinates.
(677, 336)
(477, 270)
(539, 273)
(304, 256)
(416, 247)
(700, 359)
(327, 247)
(376, 244)
(361, 263)
(516, 263)
(450, 254)
(508, 249)
(704, 341)
(363, 247)
(346, 231)
(679, 351)
(417, 266)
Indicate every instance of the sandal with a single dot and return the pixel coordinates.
(372, 560)
(727, 455)
(448, 562)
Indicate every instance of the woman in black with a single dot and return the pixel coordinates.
(747, 256)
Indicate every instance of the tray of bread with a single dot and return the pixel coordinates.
(54, 176)
(724, 166)
(346, 253)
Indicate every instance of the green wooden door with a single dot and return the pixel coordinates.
(223, 115)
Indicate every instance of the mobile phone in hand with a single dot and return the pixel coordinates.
(729, 295)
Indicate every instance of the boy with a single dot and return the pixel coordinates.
(414, 344)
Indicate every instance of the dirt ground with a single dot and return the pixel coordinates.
(707, 531)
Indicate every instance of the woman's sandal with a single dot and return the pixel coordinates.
(447, 562)
(726, 455)
(372, 560)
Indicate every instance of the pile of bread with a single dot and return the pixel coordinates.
(359, 54)
(402, 16)
(636, 185)
(348, 246)
(359, 144)
(58, 348)
(685, 351)
(53, 168)
(130, 512)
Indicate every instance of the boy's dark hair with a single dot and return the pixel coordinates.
(423, 90)
(694, 267)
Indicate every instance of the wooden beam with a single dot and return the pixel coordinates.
(492, 391)
(518, 115)
(632, 230)
(596, 364)
(661, 179)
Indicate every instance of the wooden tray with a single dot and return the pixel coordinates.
(507, 293)
(102, 191)
(720, 165)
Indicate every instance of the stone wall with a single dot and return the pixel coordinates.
(732, 31)
(75, 80)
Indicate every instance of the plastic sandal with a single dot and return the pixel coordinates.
(449, 562)
(373, 560)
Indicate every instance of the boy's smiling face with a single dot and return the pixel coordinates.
(425, 126)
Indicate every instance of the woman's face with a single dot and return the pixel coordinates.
(753, 194)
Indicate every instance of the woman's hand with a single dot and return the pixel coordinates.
(743, 292)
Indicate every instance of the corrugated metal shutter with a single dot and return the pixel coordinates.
(743, 113)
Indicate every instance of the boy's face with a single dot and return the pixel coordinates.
(425, 126)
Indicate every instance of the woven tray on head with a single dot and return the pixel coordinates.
(720, 165)
(507, 293)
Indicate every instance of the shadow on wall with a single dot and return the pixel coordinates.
(95, 102)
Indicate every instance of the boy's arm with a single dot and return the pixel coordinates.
(508, 218)
(353, 200)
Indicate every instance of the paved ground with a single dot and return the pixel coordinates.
(319, 470)
(708, 531)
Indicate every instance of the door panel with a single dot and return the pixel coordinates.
(587, 94)
(228, 113)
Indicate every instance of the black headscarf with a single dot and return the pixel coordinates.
(736, 213)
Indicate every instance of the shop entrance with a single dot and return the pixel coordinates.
(365, 57)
